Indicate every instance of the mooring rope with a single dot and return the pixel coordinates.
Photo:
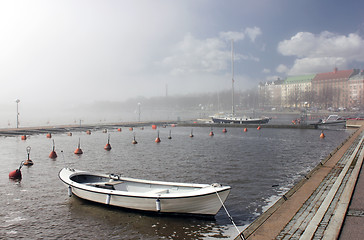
(231, 219)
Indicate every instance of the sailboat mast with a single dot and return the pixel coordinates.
(232, 74)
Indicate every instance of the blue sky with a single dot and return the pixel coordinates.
(62, 53)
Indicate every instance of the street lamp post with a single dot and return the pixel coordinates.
(17, 112)
(139, 112)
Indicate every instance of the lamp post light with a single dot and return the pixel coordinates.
(17, 112)
(306, 105)
(139, 112)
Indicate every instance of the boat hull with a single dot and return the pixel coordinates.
(333, 125)
(204, 201)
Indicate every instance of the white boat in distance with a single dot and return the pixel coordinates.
(240, 120)
(145, 195)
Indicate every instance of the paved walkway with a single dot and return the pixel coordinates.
(316, 207)
(353, 227)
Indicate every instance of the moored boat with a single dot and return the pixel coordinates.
(240, 120)
(146, 195)
(332, 121)
(232, 118)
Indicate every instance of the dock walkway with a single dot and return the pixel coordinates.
(316, 207)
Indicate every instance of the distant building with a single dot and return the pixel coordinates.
(270, 93)
(331, 88)
(296, 91)
(356, 90)
(337, 90)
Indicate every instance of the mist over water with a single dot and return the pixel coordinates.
(260, 166)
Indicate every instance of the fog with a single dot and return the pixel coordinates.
(63, 58)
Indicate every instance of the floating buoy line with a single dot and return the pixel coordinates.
(134, 141)
(322, 135)
(158, 140)
(53, 153)
(16, 174)
(211, 133)
(108, 146)
(28, 162)
(78, 150)
(170, 136)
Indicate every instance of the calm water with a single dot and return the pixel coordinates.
(259, 165)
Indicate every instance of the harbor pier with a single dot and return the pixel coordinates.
(328, 203)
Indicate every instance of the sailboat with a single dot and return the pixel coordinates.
(232, 118)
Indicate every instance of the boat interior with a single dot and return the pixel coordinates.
(129, 186)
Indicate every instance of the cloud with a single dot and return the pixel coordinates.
(266, 70)
(282, 68)
(253, 33)
(236, 36)
(315, 65)
(211, 55)
(322, 52)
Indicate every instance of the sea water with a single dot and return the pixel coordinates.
(259, 165)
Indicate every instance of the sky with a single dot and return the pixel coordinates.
(58, 54)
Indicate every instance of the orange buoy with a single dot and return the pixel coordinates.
(78, 149)
(108, 146)
(119, 130)
(258, 127)
(134, 141)
(16, 174)
(224, 130)
(49, 135)
(158, 140)
(154, 126)
(173, 125)
(191, 134)
(24, 137)
(245, 129)
(322, 135)
(88, 132)
(53, 154)
(130, 129)
(28, 162)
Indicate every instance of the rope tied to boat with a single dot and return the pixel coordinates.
(214, 185)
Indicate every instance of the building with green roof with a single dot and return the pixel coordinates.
(296, 91)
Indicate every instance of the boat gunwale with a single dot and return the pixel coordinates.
(206, 188)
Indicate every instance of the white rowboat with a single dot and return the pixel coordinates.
(145, 195)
